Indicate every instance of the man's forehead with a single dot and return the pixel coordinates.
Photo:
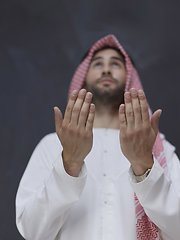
(107, 53)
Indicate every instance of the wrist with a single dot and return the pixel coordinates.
(141, 168)
(140, 178)
(71, 167)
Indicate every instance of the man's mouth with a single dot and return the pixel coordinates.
(106, 80)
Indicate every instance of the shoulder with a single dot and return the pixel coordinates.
(49, 145)
(50, 138)
(172, 159)
(169, 149)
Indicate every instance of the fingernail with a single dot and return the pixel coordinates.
(82, 91)
(127, 95)
(133, 90)
(140, 93)
(122, 107)
(92, 106)
(74, 92)
(160, 112)
(88, 95)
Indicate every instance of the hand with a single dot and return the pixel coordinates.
(137, 132)
(75, 130)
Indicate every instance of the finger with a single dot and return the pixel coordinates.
(58, 118)
(85, 110)
(144, 107)
(90, 119)
(129, 110)
(122, 119)
(136, 107)
(155, 120)
(77, 107)
(71, 102)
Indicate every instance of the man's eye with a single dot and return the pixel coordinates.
(98, 64)
(115, 64)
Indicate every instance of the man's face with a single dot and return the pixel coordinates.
(106, 75)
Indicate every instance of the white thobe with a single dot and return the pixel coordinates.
(99, 203)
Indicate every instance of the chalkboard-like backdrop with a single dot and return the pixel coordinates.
(41, 44)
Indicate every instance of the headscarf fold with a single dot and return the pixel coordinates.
(145, 228)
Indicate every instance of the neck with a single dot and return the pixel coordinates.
(106, 117)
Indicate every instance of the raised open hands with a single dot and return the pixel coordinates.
(75, 130)
(137, 132)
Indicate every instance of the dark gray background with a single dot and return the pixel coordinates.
(41, 44)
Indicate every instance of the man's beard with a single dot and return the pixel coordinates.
(107, 96)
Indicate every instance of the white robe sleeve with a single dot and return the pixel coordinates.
(160, 194)
(46, 192)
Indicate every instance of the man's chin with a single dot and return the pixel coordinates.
(105, 92)
(106, 87)
(111, 94)
(102, 90)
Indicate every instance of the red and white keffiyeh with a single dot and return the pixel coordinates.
(145, 228)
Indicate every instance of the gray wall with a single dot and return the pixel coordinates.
(41, 44)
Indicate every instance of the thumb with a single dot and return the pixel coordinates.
(155, 120)
(58, 118)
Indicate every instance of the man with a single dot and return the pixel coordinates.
(79, 189)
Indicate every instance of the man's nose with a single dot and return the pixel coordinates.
(106, 70)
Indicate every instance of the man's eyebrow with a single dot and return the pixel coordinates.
(96, 59)
(117, 58)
